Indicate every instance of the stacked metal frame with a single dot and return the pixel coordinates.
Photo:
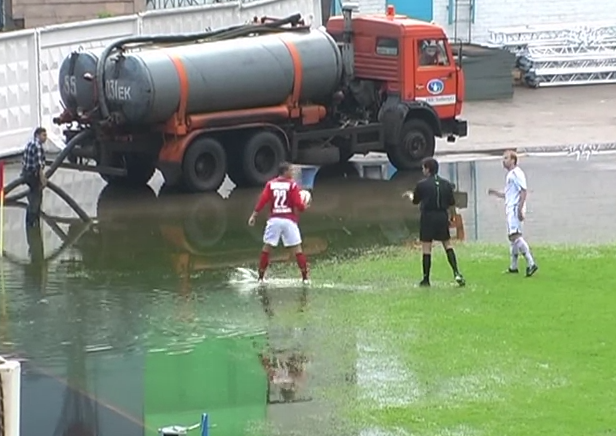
(562, 54)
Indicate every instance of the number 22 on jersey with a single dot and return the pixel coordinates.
(280, 199)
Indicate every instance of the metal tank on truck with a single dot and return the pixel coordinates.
(146, 88)
(240, 100)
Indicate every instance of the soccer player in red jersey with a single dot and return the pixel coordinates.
(282, 194)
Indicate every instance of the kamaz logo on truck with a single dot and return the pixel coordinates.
(117, 92)
(435, 86)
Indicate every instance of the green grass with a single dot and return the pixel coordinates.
(505, 356)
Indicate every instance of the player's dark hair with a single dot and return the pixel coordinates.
(38, 131)
(283, 168)
(431, 165)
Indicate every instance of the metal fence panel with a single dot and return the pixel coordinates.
(18, 89)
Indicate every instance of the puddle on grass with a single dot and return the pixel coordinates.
(382, 379)
(142, 320)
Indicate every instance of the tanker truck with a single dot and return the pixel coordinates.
(240, 100)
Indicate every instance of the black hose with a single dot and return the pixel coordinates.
(265, 30)
(51, 221)
(14, 200)
(66, 151)
(67, 241)
(52, 168)
(226, 33)
(69, 200)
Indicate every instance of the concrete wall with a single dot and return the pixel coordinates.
(490, 14)
(46, 12)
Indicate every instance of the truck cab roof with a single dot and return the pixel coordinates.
(391, 25)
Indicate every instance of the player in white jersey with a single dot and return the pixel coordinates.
(515, 208)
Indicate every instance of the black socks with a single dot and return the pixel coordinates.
(427, 264)
(453, 262)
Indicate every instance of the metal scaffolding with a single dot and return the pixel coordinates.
(541, 50)
(569, 33)
(561, 55)
(546, 80)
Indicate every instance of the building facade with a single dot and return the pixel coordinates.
(470, 20)
(36, 13)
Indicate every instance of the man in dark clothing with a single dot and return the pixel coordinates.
(33, 171)
(435, 197)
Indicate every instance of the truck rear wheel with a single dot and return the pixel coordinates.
(139, 170)
(261, 157)
(416, 143)
(204, 165)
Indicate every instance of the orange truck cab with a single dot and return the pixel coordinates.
(421, 83)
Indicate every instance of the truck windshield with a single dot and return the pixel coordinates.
(432, 52)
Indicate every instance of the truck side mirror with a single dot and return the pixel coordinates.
(459, 56)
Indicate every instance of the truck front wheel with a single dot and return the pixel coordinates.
(204, 165)
(261, 157)
(416, 143)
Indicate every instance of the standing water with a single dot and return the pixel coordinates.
(151, 316)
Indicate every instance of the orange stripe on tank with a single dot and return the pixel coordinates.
(298, 78)
(177, 124)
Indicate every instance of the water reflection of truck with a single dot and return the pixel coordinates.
(209, 233)
(240, 100)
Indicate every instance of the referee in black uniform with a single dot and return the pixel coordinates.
(435, 197)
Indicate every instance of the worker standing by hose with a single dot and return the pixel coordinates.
(33, 171)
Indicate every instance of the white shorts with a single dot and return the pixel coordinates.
(514, 225)
(277, 228)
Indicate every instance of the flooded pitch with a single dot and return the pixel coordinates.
(141, 320)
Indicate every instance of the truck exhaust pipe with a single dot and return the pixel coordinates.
(348, 52)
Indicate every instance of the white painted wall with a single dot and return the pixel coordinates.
(491, 14)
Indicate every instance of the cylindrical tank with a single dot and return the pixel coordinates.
(226, 75)
(75, 91)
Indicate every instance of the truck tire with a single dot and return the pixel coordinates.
(416, 143)
(204, 165)
(261, 157)
(139, 170)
